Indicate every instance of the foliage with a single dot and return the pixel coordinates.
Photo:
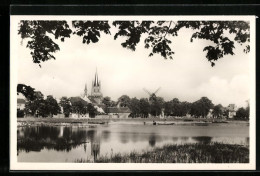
(157, 106)
(20, 113)
(91, 110)
(90, 30)
(185, 108)
(158, 35)
(176, 108)
(26, 91)
(66, 106)
(144, 107)
(107, 101)
(52, 105)
(78, 107)
(218, 111)
(40, 44)
(134, 106)
(40, 107)
(34, 107)
(201, 107)
(242, 113)
(124, 101)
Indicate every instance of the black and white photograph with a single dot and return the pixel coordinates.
(132, 92)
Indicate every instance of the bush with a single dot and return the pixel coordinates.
(20, 113)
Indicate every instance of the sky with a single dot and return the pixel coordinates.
(188, 77)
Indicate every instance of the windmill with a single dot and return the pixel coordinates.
(152, 95)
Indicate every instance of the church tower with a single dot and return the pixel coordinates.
(96, 94)
(85, 91)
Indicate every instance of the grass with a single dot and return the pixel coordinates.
(185, 153)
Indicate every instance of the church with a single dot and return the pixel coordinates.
(95, 97)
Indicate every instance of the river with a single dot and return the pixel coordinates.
(71, 143)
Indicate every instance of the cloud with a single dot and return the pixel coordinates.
(225, 92)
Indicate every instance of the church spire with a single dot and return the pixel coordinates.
(96, 83)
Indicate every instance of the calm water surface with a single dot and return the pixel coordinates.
(67, 144)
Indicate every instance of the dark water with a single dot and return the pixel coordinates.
(67, 144)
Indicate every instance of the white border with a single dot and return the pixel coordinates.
(14, 165)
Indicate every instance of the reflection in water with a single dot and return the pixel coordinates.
(175, 138)
(152, 140)
(135, 137)
(95, 144)
(203, 139)
(95, 149)
(124, 137)
(184, 138)
(105, 135)
(38, 138)
(91, 135)
(70, 143)
(85, 148)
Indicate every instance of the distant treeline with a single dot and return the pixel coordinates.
(37, 106)
(156, 106)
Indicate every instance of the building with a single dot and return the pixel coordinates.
(20, 103)
(95, 98)
(96, 95)
(231, 110)
(118, 112)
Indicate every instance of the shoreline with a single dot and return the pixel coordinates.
(31, 121)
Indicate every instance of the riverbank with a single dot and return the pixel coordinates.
(185, 153)
(32, 121)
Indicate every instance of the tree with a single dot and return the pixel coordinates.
(158, 35)
(168, 108)
(218, 111)
(201, 107)
(66, 106)
(176, 107)
(156, 106)
(124, 101)
(53, 107)
(225, 113)
(134, 106)
(40, 107)
(107, 101)
(20, 113)
(27, 91)
(185, 108)
(34, 107)
(79, 108)
(242, 113)
(91, 110)
(144, 107)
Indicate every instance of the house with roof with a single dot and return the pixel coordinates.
(118, 112)
(231, 110)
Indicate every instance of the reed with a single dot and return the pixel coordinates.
(185, 153)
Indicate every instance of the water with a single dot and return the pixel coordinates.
(67, 144)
